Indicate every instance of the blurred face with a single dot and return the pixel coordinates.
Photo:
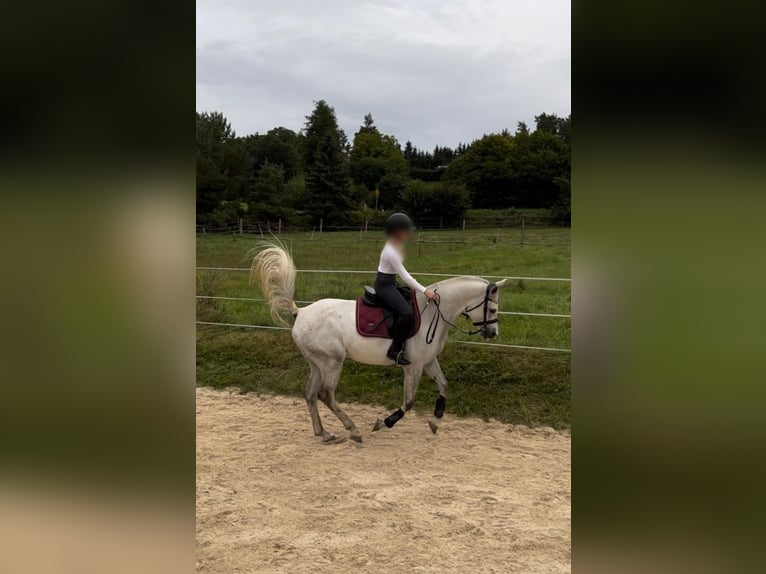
(401, 235)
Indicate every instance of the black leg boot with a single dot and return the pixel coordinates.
(396, 354)
(400, 332)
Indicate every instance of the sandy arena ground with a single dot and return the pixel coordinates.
(477, 497)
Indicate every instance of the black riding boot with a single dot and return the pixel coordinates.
(400, 331)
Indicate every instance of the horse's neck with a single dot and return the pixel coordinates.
(458, 293)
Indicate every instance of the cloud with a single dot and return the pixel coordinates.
(432, 72)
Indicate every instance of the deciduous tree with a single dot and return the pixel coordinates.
(374, 156)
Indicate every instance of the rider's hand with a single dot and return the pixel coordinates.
(430, 294)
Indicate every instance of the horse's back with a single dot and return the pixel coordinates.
(328, 326)
(323, 322)
(326, 310)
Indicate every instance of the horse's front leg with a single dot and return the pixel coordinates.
(435, 372)
(412, 376)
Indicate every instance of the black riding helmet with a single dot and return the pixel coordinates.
(398, 221)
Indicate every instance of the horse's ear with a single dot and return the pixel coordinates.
(501, 283)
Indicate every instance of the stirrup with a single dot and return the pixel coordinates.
(400, 360)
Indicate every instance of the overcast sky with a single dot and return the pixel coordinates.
(429, 71)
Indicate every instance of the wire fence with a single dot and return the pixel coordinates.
(425, 274)
(271, 327)
(476, 222)
(367, 272)
(517, 313)
(537, 230)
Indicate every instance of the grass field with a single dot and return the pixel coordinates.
(511, 385)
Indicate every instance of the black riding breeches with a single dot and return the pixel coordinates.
(387, 291)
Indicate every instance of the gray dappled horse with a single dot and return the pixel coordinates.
(325, 332)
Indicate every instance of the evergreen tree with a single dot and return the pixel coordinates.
(327, 182)
(565, 129)
(369, 125)
(238, 167)
(409, 151)
(547, 123)
(267, 196)
(213, 133)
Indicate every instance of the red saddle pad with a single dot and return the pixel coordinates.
(370, 321)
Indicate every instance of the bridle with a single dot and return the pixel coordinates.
(434, 324)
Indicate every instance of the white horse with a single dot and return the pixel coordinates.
(325, 332)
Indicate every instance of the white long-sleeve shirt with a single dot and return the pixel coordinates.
(391, 262)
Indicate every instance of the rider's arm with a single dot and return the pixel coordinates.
(396, 262)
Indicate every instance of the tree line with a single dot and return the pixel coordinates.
(317, 173)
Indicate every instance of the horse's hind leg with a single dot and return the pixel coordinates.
(328, 398)
(313, 385)
(313, 389)
(330, 376)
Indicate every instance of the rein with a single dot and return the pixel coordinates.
(434, 324)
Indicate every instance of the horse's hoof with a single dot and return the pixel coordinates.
(378, 425)
(434, 428)
(331, 439)
(356, 438)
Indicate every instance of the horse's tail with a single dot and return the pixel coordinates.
(273, 271)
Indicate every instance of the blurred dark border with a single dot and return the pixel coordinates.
(92, 84)
(668, 282)
(97, 293)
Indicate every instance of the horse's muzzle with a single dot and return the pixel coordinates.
(489, 333)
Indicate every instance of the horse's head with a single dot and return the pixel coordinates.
(484, 313)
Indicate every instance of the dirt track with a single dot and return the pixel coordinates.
(477, 497)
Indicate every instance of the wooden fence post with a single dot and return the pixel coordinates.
(523, 225)
(279, 227)
(418, 242)
(321, 222)
(240, 226)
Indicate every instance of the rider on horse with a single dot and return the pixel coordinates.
(327, 332)
(398, 232)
